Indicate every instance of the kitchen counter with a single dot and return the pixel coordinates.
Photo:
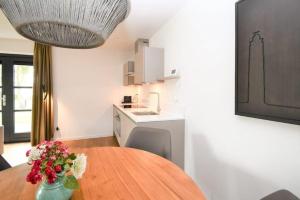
(163, 116)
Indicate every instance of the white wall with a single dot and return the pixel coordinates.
(231, 157)
(86, 84)
(16, 46)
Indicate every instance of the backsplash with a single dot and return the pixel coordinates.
(169, 91)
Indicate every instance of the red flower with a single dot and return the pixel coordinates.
(51, 178)
(37, 163)
(65, 155)
(45, 166)
(43, 156)
(51, 175)
(49, 144)
(48, 171)
(53, 157)
(58, 143)
(49, 163)
(33, 177)
(58, 168)
(27, 153)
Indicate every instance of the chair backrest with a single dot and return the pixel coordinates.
(157, 141)
(3, 164)
(281, 195)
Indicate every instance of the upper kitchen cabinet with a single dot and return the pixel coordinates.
(128, 73)
(149, 63)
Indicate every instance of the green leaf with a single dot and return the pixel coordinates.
(59, 162)
(44, 165)
(72, 156)
(70, 182)
(66, 167)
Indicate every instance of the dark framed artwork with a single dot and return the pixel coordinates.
(268, 60)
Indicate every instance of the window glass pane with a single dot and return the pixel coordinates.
(0, 99)
(23, 75)
(22, 122)
(23, 98)
(0, 74)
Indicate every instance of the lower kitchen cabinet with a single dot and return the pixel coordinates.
(123, 126)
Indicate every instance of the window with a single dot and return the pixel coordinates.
(16, 78)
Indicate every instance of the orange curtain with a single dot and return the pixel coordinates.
(42, 106)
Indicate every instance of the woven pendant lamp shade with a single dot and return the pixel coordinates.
(66, 23)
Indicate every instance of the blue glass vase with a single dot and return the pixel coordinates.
(53, 191)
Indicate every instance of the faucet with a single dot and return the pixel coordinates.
(136, 96)
(158, 101)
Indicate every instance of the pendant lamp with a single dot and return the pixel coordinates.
(79, 24)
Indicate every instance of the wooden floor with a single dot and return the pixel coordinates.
(15, 153)
(94, 142)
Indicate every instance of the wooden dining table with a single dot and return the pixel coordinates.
(114, 173)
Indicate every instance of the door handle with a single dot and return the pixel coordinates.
(3, 100)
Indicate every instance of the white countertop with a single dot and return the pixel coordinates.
(163, 116)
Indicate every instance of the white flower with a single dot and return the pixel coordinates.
(35, 154)
(79, 165)
(42, 147)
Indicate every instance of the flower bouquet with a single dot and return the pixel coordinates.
(60, 169)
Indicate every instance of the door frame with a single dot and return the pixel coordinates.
(8, 61)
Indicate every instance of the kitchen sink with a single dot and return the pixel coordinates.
(145, 113)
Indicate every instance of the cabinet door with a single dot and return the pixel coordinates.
(129, 125)
(153, 64)
(139, 77)
(123, 129)
(117, 125)
(149, 65)
(126, 127)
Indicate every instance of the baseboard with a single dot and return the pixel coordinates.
(83, 137)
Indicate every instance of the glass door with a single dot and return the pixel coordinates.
(16, 105)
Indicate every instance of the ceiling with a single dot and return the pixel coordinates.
(146, 17)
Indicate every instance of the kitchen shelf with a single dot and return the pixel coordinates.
(169, 78)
